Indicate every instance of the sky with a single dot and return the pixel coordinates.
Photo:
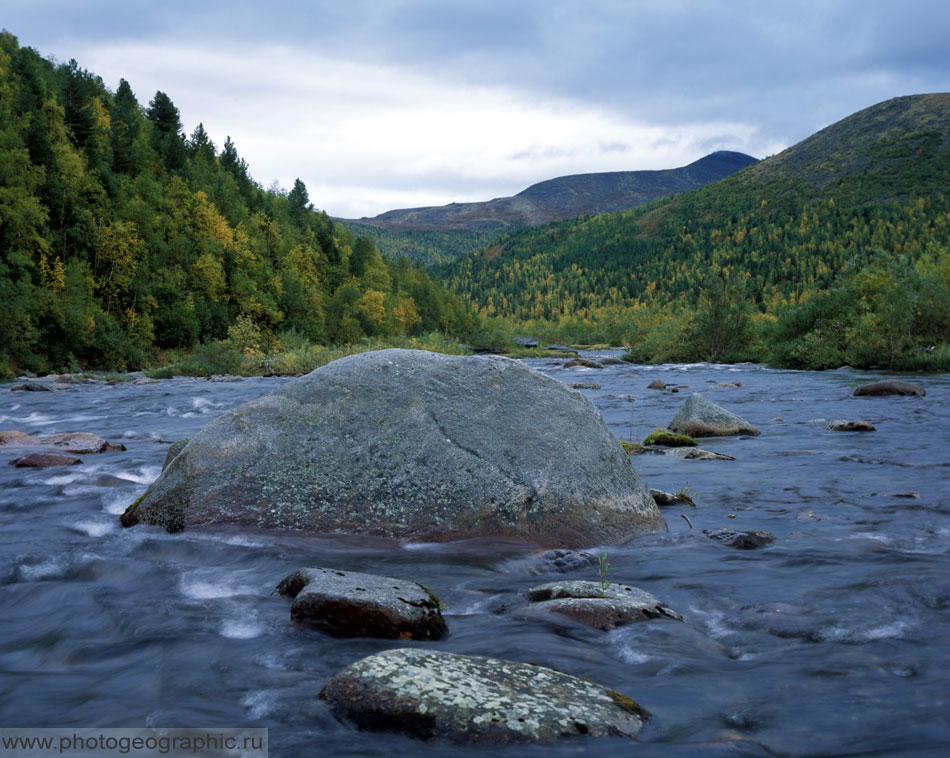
(382, 104)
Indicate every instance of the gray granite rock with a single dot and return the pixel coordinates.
(697, 454)
(173, 450)
(586, 603)
(410, 444)
(741, 540)
(583, 386)
(656, 384)
(583, 363)
(700, 417)
(476, 701)
(352, 604)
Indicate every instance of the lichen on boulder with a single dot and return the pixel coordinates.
(472, 700)
(414, 445)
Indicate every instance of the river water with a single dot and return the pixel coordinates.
(833, 641)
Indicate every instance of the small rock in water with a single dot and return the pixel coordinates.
(700, 417)
(225, 378)
(583, 363)
(566, 560)
(80, 443)
(656, 384)
(145, 380)
(560, 349)
(697, 454)
(589, 603)
(611, 361)
(30, 387)
(363, 605)
(583, 386)
(740, 540)
(44, 460)
(911, 495)
(839, 425)
(890, 387)
(472, 700)
(667, 498)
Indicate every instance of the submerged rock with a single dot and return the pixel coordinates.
(656, 384)
(410, 444)
(583, 363)
(890, 387)
(739, 539)
(668, 439)
(849, 426)
(351, 604)
(697, 454)
(583, 386)
(700, 417)
(472, 700)
(31, 387)
(588, 603)
(80, 443)
(45, 460)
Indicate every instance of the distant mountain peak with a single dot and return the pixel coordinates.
(566, 197)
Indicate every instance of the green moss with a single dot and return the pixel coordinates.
(128, 518)
(628, 704)
(632, 448)
(436, 599)
(668, 439)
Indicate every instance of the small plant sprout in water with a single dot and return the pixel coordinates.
(685, 495)
(604, 568)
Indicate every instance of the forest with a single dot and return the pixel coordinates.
(772, 264)
(124, 241)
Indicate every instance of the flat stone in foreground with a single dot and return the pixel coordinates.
(476, 701)
(352, 604)
(586, 603)
(700, 417)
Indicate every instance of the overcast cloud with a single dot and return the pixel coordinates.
(379, 105)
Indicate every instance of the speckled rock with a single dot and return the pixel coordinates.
(584, 602)
(890, 387)
(656, 384)
(583, 386)
(839, 425)
(173, 450)
(700, 417)
(410, 444)
(30, 387)
(79, 443)
(476, 701)
(45, 460)
(352, 604)
(662, 498)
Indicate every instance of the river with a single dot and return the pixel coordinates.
(833, 641)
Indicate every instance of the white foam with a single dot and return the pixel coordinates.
(65, 478)
(241, 629)
(144, 475)
(205, 590)
(95, 528)
(633, 656)
(713, 621)
(259, 702)
(115, 503)
(43, 570)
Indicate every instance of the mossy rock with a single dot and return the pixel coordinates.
(668, 439)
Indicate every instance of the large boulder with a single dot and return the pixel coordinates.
(472, 700)
(352, 604)
(890, 387)
(700, 417)
(415, 445)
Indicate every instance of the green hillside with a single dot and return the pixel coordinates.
(121, 237)
(731, 270)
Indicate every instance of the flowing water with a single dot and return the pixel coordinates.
(831, 642)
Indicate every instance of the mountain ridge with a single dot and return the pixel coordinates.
(564, 197)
